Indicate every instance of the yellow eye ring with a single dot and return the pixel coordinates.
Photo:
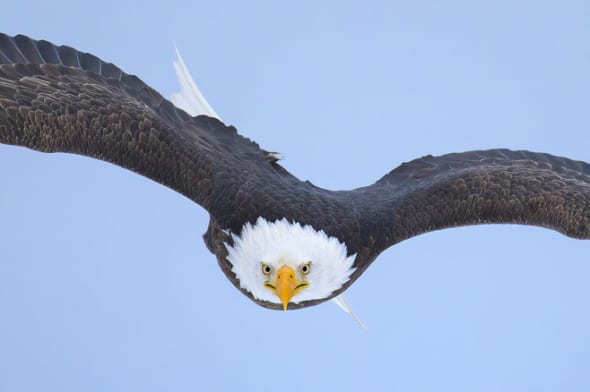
(266, 269)
(305, 268)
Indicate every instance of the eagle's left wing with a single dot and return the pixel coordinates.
(494, 186)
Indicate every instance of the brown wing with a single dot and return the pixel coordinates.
(495, 186)
(58, 99)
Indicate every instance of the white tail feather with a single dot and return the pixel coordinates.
(342, 303)
(189, 98)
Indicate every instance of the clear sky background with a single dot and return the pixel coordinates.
(106, 285)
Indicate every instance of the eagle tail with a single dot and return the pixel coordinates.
(189, 98)
(342, 303)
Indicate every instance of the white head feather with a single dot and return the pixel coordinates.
(283, 243)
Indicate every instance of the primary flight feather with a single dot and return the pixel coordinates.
(283, 242)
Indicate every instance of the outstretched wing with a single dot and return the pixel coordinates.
(58, 99)
(495, 186)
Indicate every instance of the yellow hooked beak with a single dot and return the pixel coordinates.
(286, 284)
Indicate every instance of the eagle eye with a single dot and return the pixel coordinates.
(266, 269)
(305, 268)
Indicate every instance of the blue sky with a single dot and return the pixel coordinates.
(106, 285)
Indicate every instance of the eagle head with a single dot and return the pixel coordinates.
(284, 262)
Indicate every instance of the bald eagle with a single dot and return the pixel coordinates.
(283, 242)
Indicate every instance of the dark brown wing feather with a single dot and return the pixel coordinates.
(58, 99)
(494, 186)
